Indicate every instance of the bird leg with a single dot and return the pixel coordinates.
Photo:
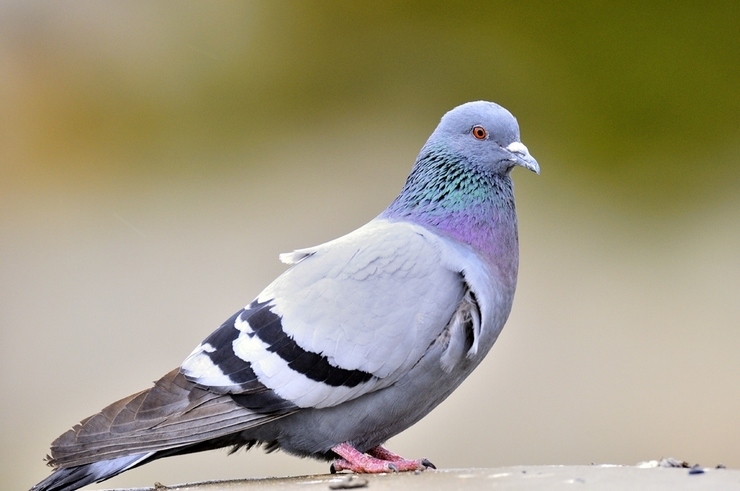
(376, 460)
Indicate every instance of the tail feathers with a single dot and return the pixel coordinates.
(75, 477)
(173, 414)
(71, 478)
(173, 417)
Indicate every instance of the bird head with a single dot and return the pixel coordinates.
(484, 134)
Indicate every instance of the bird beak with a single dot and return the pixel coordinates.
(522, 157)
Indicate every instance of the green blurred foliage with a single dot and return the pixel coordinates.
(638, 98)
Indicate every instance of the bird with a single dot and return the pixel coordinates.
(357, 340)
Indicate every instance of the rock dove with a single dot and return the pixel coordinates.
(356, 341)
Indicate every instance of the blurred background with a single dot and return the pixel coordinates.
(156, 157)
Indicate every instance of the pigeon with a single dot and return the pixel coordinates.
(356, 341)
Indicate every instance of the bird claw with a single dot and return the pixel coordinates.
(376, 460)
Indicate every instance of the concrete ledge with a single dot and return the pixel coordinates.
(601, 477)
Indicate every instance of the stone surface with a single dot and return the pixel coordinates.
(601, 477)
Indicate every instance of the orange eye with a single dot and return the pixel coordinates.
(480, 132)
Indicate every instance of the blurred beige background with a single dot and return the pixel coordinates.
(156, 157)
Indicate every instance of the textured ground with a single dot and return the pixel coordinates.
(519, 477)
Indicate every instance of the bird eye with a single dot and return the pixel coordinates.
(480, 132)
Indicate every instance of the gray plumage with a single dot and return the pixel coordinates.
(359, 339)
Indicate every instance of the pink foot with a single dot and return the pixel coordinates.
(377, 460)
(382, 453)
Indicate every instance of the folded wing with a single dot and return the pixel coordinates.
(349, 317)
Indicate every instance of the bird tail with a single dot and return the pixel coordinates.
(173, 417)
(71, 478)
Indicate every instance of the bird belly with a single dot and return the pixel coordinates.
(369, 420)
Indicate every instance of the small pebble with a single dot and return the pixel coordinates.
(350, 482)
